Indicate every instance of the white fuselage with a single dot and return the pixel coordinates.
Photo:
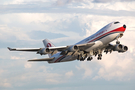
(101, 38)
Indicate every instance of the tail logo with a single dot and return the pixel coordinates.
(49, 45)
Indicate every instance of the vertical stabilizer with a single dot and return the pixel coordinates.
(48, 43)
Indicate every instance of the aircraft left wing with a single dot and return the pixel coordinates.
(24, 49)
(53, 50)
(65, 50)
(71, 47)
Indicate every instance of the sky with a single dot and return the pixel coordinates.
(25, 23)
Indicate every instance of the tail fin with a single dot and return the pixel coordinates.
(47, 43)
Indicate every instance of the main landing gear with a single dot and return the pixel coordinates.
(81, 58)
(99, 53)
(99, 56)
(89, 58)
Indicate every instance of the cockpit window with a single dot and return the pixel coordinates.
(116, 22)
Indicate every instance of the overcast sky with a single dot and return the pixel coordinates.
(25, 23)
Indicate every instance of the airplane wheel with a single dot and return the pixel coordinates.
(81, 59)
(99, 55)
(117, 42)
(89, 58)
(99, 58)
(95, 53)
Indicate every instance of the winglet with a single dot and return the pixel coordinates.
(10, 49)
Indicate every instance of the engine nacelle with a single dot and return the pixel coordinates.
(73, 48)
(120, 48)
(44, 51)
(124, 48)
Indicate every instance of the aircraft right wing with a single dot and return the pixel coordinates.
(85, 45)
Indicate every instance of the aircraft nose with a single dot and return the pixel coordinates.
(124, 26)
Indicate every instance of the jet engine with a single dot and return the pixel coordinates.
(43, 51)
(120, 48)
(73, 48)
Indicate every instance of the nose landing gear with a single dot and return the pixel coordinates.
(117, 42)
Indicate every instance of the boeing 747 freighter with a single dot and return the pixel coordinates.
(93, 45)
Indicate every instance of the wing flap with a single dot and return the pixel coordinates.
(60, 48)
(43, 59)
(85, 46)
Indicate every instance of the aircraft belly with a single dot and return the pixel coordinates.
(109, 38)
(63, 58)
(69, 58)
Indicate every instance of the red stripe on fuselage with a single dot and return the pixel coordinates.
(121, 29)
(59, 58)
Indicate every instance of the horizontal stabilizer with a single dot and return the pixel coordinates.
(43, 59)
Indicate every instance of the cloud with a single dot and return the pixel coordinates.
(69, 74)
(66, 2)
(43, 34)
(11, 33)
(87, 68)
(13, 2)
(15, 33)
(117, 69)
(5, 84)
(87, 7)
(63, 2)
(27, 65)
(105, 1)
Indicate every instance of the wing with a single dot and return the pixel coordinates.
(53, 50)
(85, 46)
(44, 59)
(71, 49)
(80, 46)
(25, 49)
(60, 48)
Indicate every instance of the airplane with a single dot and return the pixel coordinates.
(93, 45)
